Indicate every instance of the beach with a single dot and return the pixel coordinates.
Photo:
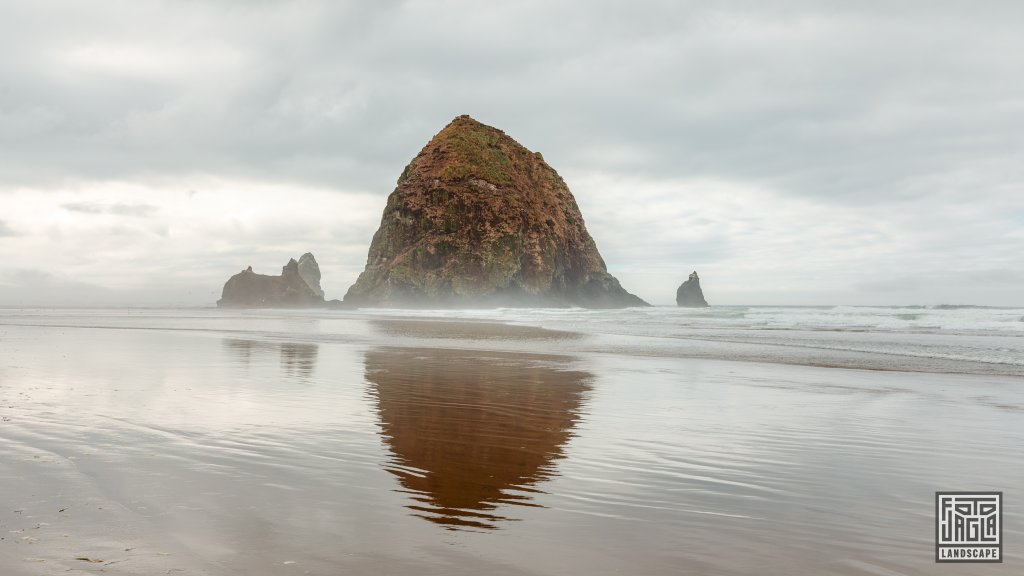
(647, 441)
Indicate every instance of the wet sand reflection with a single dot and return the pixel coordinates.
(470, 432)
(298, 360)
(466, 330)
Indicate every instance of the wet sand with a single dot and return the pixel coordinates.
(282, 445)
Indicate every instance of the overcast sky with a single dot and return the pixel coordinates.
(792, 152)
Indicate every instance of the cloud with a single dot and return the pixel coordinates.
(757, 245)
(136, 210)
(6, 231)
(194, 236)
(811, 98)
(791, 149)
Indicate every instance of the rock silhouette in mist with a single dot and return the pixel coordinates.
(689, 293)
(289, 290)
(309, 270)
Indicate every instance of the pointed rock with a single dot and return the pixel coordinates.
(479, 220)
(309, 270)
(689, 293)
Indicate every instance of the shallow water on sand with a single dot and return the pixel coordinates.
(288, 443)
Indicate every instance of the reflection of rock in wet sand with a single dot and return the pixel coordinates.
(465, 329)
(469, 431)
(298, 360)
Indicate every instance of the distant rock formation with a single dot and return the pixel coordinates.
(689, 293)
(310, 272)
(289, 290)
(479, 220)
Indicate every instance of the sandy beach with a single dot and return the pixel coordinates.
(197, 442)
(459, 288)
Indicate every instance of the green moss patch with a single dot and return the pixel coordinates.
(476, 151)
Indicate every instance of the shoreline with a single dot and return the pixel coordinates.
(806, 348)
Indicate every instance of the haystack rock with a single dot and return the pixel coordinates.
(689, 293)
(479, 220)
(289, 290)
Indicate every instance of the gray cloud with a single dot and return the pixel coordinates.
(117, 209)
(870, 138)
(6, 231)
(816, 98)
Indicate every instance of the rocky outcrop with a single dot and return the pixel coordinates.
(309, 270)
(479, 220)
(689, 293)
(289, 290)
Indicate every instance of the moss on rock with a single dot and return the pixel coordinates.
(477, 219)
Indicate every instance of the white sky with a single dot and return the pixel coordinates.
(804, 153)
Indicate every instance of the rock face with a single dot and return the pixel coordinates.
(689, 293)
(309, 270)
(479, 220)
(289, 290)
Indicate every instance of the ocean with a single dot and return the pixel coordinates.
(962, 339)
(728, 440)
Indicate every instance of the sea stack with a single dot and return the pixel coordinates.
(478, 220)
(309, 270)
(289, 290)
(689, 293)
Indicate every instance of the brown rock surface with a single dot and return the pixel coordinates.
(477, 219)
